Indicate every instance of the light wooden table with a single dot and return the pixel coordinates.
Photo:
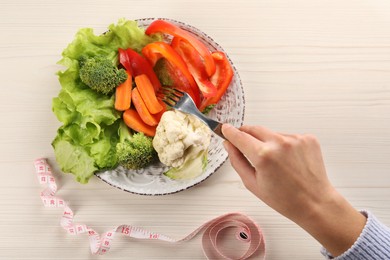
(307, 66)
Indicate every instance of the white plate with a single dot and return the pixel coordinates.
(151, 180)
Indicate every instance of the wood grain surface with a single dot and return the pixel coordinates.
(307, 66)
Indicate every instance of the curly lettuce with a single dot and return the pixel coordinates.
(86, 140)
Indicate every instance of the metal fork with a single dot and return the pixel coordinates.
(183, 102)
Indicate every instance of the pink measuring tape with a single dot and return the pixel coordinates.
(247, 230)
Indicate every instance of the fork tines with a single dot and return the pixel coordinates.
(172, 96)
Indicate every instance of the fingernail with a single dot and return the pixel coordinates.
(225, 127)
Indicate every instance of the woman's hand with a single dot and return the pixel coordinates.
(287, 172)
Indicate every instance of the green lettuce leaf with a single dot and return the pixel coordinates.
(86, 140)
(103, 150)
(75, 159)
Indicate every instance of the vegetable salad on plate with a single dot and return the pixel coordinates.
(110, 102)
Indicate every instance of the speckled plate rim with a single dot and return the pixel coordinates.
(204, 38)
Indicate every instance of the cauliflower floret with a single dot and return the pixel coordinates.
(180, 137)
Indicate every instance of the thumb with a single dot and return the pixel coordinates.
(241, 164)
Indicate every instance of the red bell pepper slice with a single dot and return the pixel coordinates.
(195, 66)
(125, 61)
(138, 65)
(221, 79)
(161, 26)
(185, 82)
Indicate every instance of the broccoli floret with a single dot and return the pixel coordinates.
(100, 74)
(134, 151)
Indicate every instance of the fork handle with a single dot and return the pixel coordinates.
(218, 130)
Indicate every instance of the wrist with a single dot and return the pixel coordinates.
(333, 222)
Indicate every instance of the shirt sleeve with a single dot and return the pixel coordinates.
(373, 242)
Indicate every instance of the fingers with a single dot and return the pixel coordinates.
(260, 133)
(241, 165)
(246, 143)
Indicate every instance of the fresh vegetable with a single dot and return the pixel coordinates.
(134, 151)
(100, 74)
(180, 137)
(73, 158)
(91, 115)
(160, 114)
(165, 73)
(195, 66)
(147, 93)
(134, 121)
(221, 79)
(161, 26)
(138, 65)
(142, 109)
(207, 109)
(88, 132)
(158, 50)
(86, 140)
(189, 169)
(123, 94)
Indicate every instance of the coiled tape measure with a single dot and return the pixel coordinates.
(246, 229)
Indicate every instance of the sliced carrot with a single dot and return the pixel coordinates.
(159, 114)
(134, 121)
(148, 94)
(141, 108)
(123, 94)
